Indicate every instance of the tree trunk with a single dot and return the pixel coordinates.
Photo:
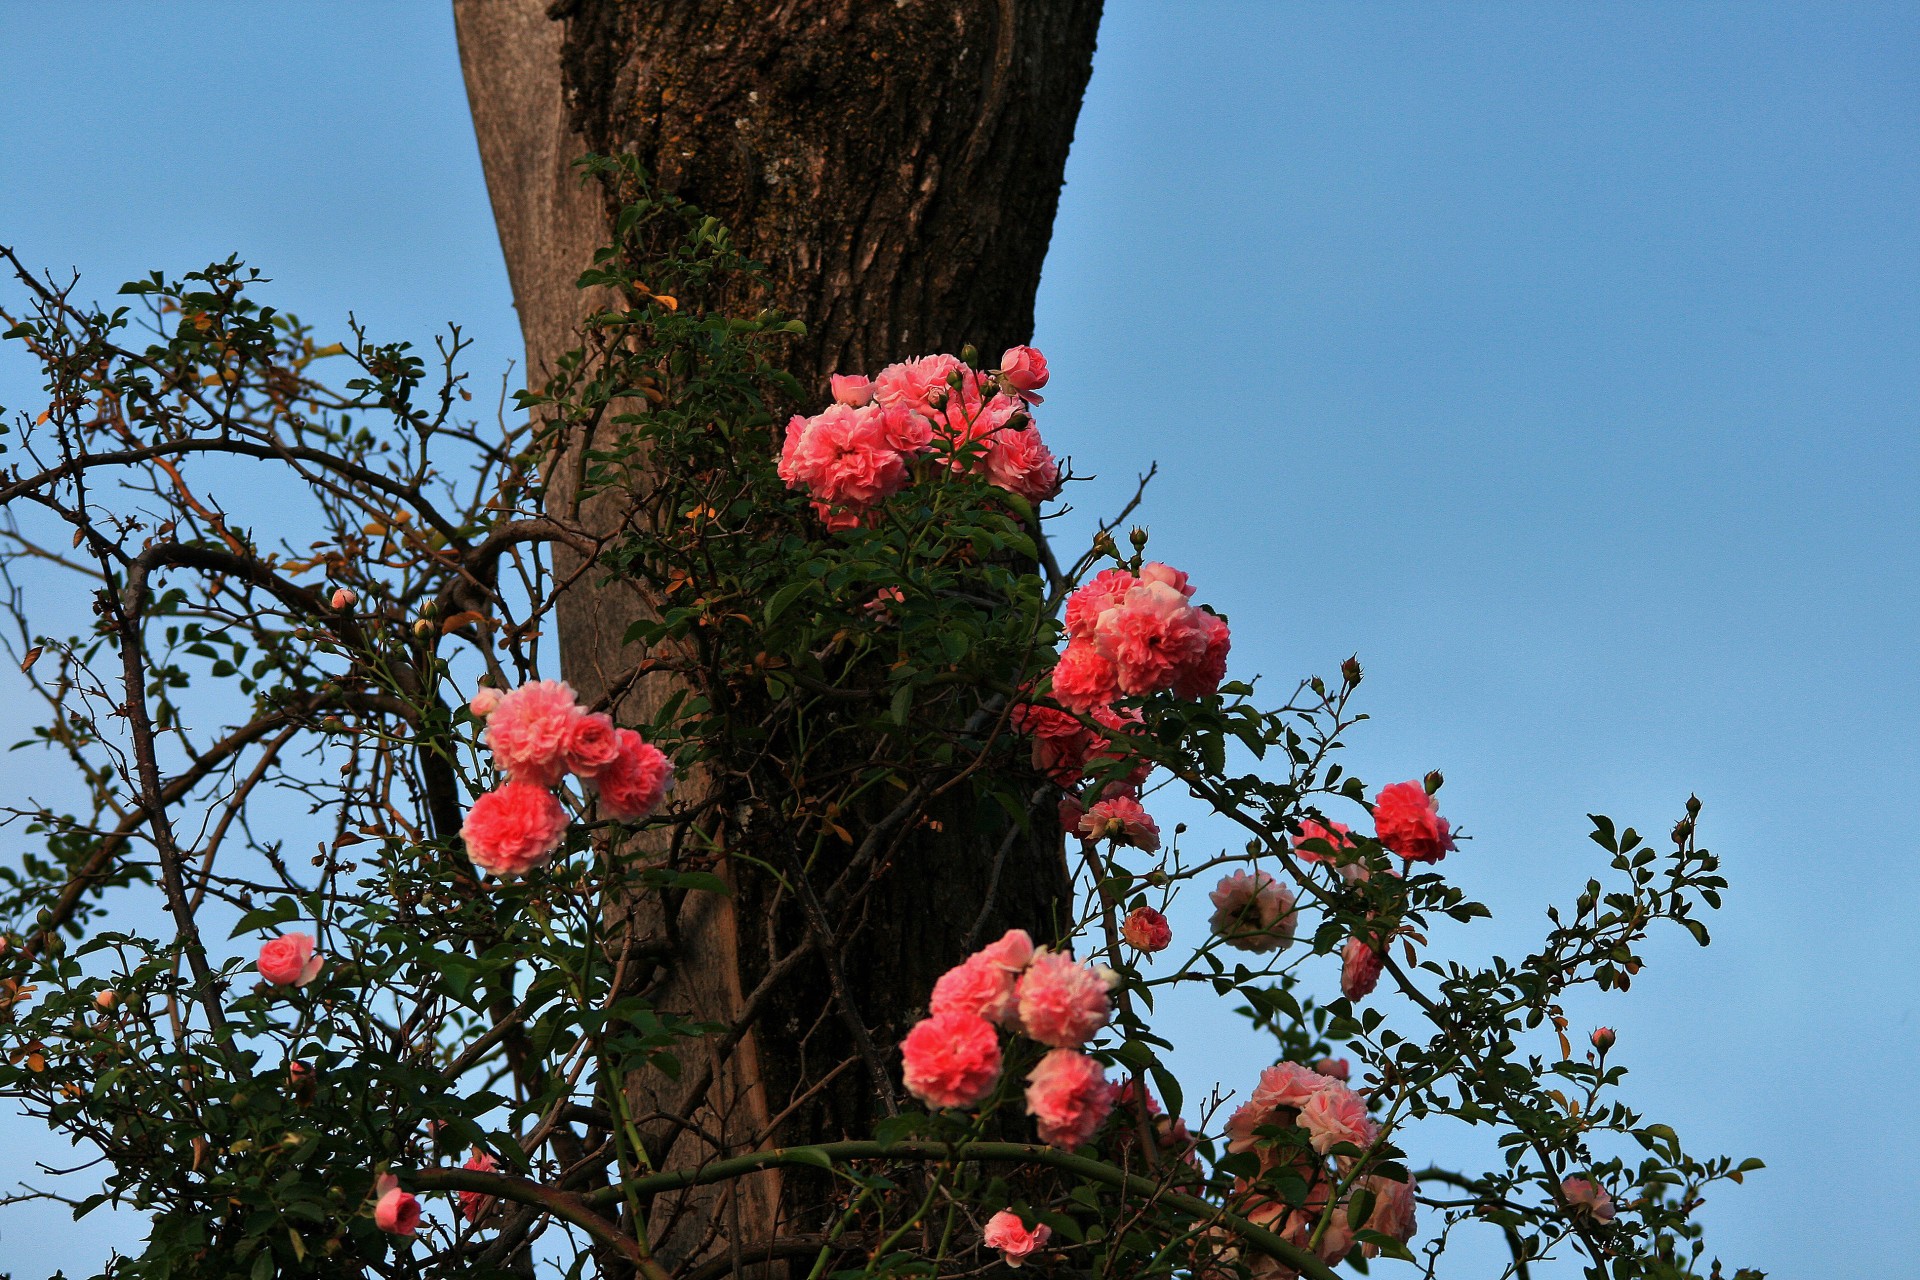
(898, 167)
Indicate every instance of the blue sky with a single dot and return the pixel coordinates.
(1562, 361)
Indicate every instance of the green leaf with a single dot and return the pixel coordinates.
(784, 597)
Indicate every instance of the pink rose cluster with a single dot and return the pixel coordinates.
(953, 1056)
(539, 733)
(1318, 1101)
(860, 450)
(1130, 634)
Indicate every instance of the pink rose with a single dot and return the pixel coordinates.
(529, 729)
(1283, 1089)
(979, 986)
(635, 783)
(1069, 1096)
(843, 457)
(473, 1204)
(925, 383)
(1061, 1001)
(1393, 1209)
(1084, 607)
(952, 1059)
(1404, 820)
(591, 745)
(1014, 951)
(852, 390)
(1083, 679)
(1146, 930)
(1338, 1068)
(288, 960)
(1025, 371)
(1020, 463)
(395, 1211)
(1201, 677)
(1588, 1197)
(1333, 1115)
(1007, 1233)
(1253, 912)
(343, 598)
(513, 829)
(1603, 1039)
(1060, 742)
(1338, 835)
(1122, 821)
(1359, 969)
(484, 700)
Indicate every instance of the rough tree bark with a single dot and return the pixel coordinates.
(898, 166)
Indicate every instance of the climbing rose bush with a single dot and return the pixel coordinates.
(879, 989)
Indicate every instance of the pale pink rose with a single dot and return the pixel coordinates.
(1359, 969)
(1013, 951)
(1062, 1002)
(473, 1204)
(1154, 571)
(343, 598)
(1007, 1233)
(1404, 821)
(1083, 679)
(1588, 1197)
(105, 1000)
(1084, 607)
(1288, 1084)
(1603, 1038)
(951, 1059)
(1019, 462)
(1336, 1114)
(1283, 1089)
(592, 745)
(1069, 1096)
(529, 729)
(395, 1211)
(288, 960)
(1025, 371)
(1393, 1209)
(637, 781)
(1122, 821)
(979, 986)
(484, 700)
(1253, 912)
(1060, 742)
(1146, 930)
(514, 828)
(1338, 1068)
(852, 390)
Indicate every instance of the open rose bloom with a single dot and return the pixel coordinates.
(1007, 1233)
(288, 960)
